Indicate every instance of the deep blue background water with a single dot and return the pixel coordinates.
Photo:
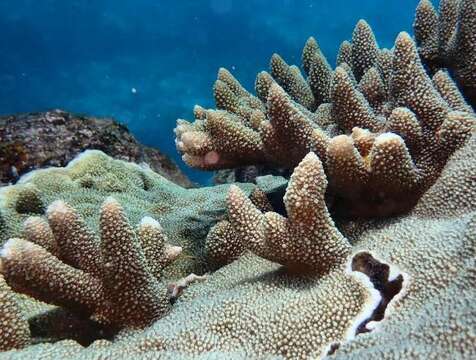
(86, 55)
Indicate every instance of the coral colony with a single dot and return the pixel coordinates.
(368, 254)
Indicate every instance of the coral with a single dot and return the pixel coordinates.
(435, 245)
(364, 49)
(29, 201)
(186, 215)
(307, 240)
(224, 316)
(223, 243)
(307, 275)
(380, 132)
(14, 331)
(254, 308)
(447, 39)
(114, 280)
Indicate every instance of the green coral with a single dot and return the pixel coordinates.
(185, 214)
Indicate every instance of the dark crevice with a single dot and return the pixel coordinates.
(333, 348)
(276, 197)
(60, 324)
(378, 274)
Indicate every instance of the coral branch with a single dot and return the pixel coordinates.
(114, 280)
(364, 49)
(448, 40)
(371, 93)
(308, 239)
(127, 280)
(14, 330)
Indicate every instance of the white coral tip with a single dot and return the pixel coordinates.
(172, 252)
(13, 245)
(388, 137)
(148, 221)
(110, 201)
(58, 206)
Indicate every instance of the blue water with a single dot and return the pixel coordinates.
(87, 55)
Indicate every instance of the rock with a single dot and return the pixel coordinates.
(35, 140)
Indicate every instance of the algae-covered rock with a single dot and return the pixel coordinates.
(31, 141)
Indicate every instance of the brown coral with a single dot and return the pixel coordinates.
(447, 39)
(305, 241)
(14, 330)
(223, 243)
(253, 309)
(391, 115)
(114, 280)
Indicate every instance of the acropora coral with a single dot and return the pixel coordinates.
(446, 39)
(369, 251)
(184, 214)
(307, 241)
(381, 125)
(256, 308)
(115, 280)
(14, 330)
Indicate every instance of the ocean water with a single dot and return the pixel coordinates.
(148, 62)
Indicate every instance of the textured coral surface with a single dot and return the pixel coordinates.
(383, 122)
(368, 251)
(255, 308)
(185, 214)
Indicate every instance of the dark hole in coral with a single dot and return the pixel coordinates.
(378, 274)
(86, 183)
(59, 324)
(31, 204)
(276, 200)
(146, 182)
(370, 206)
(333, 348)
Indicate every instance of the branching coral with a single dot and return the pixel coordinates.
(114, 280)
(375, 136)
(436, 245)
(448, 40)
(393, 121)
(307, 240)
(223, 243)
(14, 331)
(251, 308)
